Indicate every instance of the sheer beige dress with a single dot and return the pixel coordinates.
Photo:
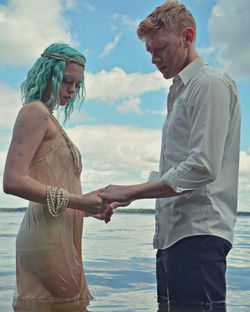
(48, 249)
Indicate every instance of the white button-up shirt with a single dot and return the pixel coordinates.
(200, 153)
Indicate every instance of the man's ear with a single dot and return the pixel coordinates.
(188, 36)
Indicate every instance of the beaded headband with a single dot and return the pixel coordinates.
(62, 57)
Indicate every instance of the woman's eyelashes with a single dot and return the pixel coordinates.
(68, 80)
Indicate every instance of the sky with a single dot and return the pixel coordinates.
(118, 128)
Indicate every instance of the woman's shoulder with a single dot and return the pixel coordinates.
(34, 110)
(35, 106)
(34, 115)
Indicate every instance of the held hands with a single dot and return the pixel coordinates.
(96, 207)
(102, 202)
(92, 204)
(105, 216)
(116, 194)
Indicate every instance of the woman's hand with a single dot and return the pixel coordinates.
(105, 216)
(91, 203)
(95, 204)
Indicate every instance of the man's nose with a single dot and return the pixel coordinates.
(156, 59)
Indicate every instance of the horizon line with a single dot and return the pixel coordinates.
(117, 210)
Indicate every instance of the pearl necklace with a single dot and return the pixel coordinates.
(76, 155)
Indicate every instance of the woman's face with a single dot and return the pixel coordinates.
(71, 82)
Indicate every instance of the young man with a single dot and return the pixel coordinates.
(196, 185)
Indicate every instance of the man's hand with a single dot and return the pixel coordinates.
(117, 194)
(115, 205)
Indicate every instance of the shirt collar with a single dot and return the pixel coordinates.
(191, 70)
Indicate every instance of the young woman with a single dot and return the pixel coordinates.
(44, 167)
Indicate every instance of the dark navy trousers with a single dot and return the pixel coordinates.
(193, 270)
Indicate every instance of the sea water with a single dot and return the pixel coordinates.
(119, 263)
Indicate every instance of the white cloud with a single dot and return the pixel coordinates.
(207, 52)
(111, 154)
(88, 6)
(69, 4)
(244, 177)
(126, 21)
(2, 162)
(201, 2)
(117, 84)
(10, 105)
(125, 155)
(161, 112)
(110, 46)
(116, 154)
(127, 145)
(130, 105)
(244, 181)
(229, 26)
(80, 118)
(129, 153)
(25, 32)
(103, 86)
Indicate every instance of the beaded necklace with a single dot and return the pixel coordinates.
(76, 155)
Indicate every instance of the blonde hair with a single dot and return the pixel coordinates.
(171, 14)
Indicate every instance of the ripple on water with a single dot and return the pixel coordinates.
(120, 264)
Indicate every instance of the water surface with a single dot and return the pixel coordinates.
(120, 264)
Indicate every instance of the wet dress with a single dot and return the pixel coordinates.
(48, 249)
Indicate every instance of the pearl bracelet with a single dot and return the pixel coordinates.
(57, 200)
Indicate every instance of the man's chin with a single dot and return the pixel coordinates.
(167, 75)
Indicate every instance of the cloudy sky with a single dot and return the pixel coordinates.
(118, 129)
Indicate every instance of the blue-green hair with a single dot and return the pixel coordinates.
(46, 70)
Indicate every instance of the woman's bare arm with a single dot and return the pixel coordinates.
(30, 130)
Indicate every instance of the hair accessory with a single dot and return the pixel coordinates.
(62, 57)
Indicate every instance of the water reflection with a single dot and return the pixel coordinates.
(217, 307)
(120, 268)
(21, 305)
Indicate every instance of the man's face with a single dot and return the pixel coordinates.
(168, 50)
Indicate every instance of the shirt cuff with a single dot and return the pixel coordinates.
(170, 178)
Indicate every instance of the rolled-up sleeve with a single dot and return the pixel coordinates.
(208, 117)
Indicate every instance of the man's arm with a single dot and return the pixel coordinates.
(209, 117)
(126, 194)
